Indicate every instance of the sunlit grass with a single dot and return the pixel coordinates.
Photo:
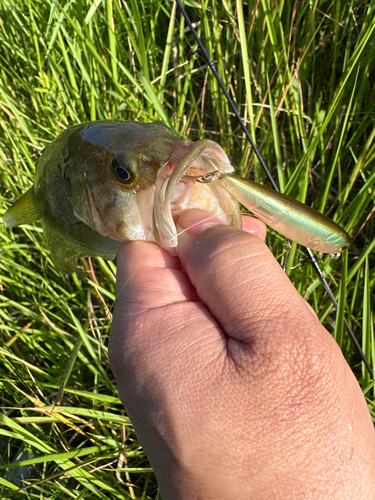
(302, 77)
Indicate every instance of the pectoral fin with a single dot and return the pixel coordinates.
(24, 211)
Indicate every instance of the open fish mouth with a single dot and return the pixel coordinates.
(176, 189)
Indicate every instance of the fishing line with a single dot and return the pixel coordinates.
(267, 171)
(227, 96)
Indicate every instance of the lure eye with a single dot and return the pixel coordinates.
(122, 171)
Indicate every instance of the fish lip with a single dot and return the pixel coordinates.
(182, 158)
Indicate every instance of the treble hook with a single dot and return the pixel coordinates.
(206, 178)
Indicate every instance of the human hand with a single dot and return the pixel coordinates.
(234, 388)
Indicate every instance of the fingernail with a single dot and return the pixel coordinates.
(195, 221)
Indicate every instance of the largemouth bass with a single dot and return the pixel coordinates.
(104, 182)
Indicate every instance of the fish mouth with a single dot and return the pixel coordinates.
(174, 193)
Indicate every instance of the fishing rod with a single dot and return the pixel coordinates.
(269, 175)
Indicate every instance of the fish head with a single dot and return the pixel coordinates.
(125, 180)
(103, 174)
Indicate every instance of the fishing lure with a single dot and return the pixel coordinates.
(291, 218)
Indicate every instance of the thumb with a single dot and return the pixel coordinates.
(241, 283)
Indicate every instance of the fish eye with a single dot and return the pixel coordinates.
(122, 171)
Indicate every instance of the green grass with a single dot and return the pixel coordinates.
(302, 77)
